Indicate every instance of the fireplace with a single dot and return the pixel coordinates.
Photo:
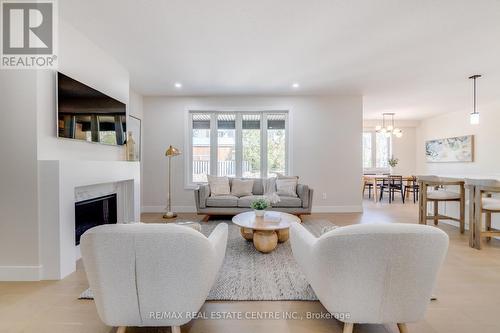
(93, 212)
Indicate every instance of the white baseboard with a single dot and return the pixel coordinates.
(161, 209)
(315, 209)
(338, 209)
(20, 273)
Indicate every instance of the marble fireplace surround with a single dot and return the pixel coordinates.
(62, 183)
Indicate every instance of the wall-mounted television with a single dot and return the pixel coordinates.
(84, 113)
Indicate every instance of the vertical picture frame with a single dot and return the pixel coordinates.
(134, 126)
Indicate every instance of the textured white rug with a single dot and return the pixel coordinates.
(248, 275)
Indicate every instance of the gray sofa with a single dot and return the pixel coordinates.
(232, 205)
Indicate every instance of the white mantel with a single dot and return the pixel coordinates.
(61, 184)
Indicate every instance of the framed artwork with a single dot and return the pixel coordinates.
(134, 126)
(455, 149)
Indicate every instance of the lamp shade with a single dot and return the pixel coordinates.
(474, 118)
(172, 151)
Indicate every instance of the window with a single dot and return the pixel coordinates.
(367, 150)
(200, 139)
(382, 150)
(251, 145)
(376, 150)
(276, 144)
(226, 145)
(237, 144)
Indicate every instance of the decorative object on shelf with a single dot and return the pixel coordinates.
(456, 149)
(259, 206)
(474, 116)
(130, 147)
(134, 127)
(171, 152)
(390, 129)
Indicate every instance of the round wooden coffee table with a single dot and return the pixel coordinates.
(265, 233)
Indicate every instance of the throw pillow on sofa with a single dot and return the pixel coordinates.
(218, 185)
(269, 185)
(241, 187)
(287, 186)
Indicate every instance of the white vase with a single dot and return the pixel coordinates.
(259, 212)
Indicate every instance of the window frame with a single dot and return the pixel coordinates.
(238, 112)
(373, 139)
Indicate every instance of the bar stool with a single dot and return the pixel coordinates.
(439, 194)
(480, 202)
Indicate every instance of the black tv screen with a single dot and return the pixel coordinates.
(84, 113)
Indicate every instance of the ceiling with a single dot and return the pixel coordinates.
(409, 57)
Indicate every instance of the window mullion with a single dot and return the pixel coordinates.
(389, 145)
(374, 149)
(190, 152)
(263, 145)
(239, 144)
(214, 141)
(287, 145)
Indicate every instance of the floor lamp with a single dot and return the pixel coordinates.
(171, 152)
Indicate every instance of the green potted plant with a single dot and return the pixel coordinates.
(259, 206)
(393, 162)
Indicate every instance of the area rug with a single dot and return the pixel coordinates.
(248, 275)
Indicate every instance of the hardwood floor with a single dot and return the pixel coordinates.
(468, 294)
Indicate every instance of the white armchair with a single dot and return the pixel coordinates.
(147, 274)
(372, 273)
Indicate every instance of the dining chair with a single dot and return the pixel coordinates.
(412, 187)
(391, 185)
(369, 185)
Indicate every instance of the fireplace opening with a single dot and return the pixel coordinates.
(93, 212)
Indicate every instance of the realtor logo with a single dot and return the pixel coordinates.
(28, 34)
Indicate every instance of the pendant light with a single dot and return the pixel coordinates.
(474, 116)
(390, 129)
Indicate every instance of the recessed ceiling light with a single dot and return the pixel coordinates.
(295, 85)
(178, 85)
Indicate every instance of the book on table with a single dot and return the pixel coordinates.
(272, 217)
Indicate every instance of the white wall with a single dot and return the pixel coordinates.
(404, 149)
(486, 136)
(18, 176)
(325, 144)
(135, 106)
(487, 142)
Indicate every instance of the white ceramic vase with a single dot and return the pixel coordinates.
(259, 212)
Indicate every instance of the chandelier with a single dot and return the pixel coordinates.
(389, 128)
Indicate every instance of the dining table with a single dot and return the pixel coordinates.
(374, 179)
